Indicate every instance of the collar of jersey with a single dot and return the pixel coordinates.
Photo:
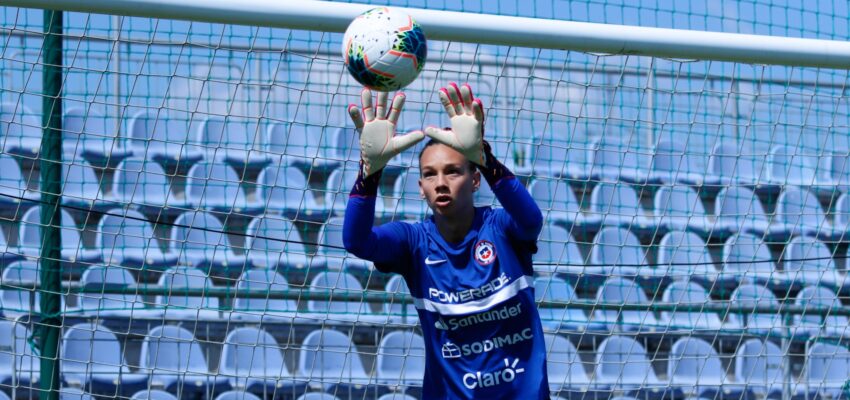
(470, 236)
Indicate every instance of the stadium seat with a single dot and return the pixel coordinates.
(406, 201)
(673, 163)
(179, 306)
(81, 187)
(515, 154)
(615, 160)
(799, 209)
(758, 365)
(735, 164)
(685, 255)
(91, 358)
(814, 325)
(565, 370)
(164, 139)
(20, 297)
(144, 184)
(751, 296)
(13, 185)
(738, 209)
(329, 360)
(484, 196)
(617, 290)
(332, 253)
(561, 318)
(691, 296)
(623, 365)
(300, 145)
(8, 253)
(617, 204)
(283, 189)
(215, 187)
(173, 359)
(560, 206)
(841, 215)
(398, 314)
(236, 141)
(839, 170)
(340, 311)
(617, 252)
(274, 242)
(126, 305)
(199, 239)
(3, 396)
(808, 261)
(20, 130)
(252, 360)
(401, 361)
(826, 371)
(126, 238)
(338, 187)
(345, 145)
(746, 257)
(86, 132)
(557, 252)
(554, 154)
(153, 395)
(679, 208)
(695, 369)
(73, 251)
(396, 396)
(74, 394)
(236, 395)
(317, 396)
(795, 166)
(263, 309)
(18, 360)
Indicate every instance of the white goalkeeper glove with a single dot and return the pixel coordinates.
(378, 142)
(467, 120)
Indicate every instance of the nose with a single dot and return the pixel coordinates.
(442, 182)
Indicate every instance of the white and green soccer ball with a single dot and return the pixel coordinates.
(384, 49)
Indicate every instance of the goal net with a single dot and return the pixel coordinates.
(694, 245)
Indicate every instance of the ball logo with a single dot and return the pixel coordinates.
(485, 252)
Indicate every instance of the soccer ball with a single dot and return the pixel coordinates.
(384, 49)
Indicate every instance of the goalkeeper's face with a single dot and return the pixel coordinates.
(447, 180)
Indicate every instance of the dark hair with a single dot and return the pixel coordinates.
(432, 142)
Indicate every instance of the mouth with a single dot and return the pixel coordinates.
(442, 200)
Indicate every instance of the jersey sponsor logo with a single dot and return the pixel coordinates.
(485, 252)
(470, 294)
(429, 261)
(474, 380)
(499, 314)
(451, 350)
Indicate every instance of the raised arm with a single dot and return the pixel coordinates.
(524, 219)
(378, 144)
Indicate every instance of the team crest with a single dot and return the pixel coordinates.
(485, 252)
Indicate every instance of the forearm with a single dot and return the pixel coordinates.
(379, 245)
(527, 219)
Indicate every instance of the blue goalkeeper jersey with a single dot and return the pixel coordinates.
(475, 299)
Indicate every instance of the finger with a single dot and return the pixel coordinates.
(454, 95)
(356, 117)
(366, 100)
(381, 110)
(466, 97)
(395, 108)
(447, 102)
(439, 135)
(403, 142)
(478, 110)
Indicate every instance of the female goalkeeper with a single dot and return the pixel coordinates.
(468, 268)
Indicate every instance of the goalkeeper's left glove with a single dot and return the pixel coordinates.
(467, 120)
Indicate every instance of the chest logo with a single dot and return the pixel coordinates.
(485, 252)
(429, 261)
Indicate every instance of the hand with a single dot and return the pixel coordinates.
(378, 143)
(467, 119)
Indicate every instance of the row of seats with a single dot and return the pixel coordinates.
(70, 393)
(249, 143)
(691, 297)
(251, 360)
(680, 254)
(615, 290)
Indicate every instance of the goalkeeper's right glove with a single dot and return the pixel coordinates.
(378, 142)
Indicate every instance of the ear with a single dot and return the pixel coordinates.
(421, 190)
(476, 180)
